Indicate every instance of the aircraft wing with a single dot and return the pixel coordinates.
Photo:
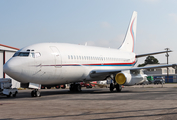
(98, 73)
(147, 54)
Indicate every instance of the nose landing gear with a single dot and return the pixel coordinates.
(35, 93)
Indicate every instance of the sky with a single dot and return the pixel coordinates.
(97, 22)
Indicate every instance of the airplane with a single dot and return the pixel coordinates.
(63, 63)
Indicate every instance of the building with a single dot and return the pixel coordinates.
(162, 72)
(6, 52)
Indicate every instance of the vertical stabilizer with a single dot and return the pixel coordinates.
(130, 38)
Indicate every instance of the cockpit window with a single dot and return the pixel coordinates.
(24, 54)
(16, 54)
(35, 55)
(21, 54)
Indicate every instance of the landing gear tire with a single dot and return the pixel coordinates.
(15, 94)
(71, 88)
(78, 86)
(35, 93)
(32, 94)
(118, 87)
(10, 95)
(111, 87)
(75, 88)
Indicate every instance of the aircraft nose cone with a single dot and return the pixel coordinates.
(7, 67)
(11, 68)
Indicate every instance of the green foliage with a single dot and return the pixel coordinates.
(141, 65)
(149, 60)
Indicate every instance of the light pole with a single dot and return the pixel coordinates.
(167, 55)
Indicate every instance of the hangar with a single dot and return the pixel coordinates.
(6, 52)
(162, 72)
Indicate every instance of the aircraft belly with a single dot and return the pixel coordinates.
(48, 76)
(60, 76)
(73, 73)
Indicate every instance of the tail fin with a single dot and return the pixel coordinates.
(130, 38)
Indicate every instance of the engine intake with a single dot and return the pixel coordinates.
(120, 78)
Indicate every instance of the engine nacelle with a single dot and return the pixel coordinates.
(128, 79)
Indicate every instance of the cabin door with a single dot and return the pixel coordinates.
(57, 56)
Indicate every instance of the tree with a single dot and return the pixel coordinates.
(149, 60)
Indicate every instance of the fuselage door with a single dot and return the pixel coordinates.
(57, 55)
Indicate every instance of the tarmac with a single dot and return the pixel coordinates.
(148, 102)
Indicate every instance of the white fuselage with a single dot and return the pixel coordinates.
(60, 63)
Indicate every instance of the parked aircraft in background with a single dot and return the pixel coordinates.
(62, 63)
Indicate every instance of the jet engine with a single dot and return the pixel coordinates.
(128, 79)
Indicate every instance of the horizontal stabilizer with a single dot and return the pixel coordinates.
(147, 54)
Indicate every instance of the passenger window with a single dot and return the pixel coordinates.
(68, 57)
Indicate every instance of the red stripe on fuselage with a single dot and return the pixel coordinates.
(93, 64)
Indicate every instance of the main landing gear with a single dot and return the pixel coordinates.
(75, 88)
(35, 93)
(117, 86)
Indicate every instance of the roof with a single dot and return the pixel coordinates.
(8, 48)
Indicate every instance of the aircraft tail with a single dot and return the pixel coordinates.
(130, 38)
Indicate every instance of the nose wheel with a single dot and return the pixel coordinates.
(35, 93)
